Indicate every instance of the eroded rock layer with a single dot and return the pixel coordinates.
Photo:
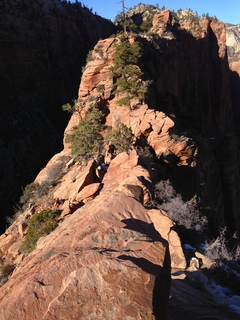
(44, 45)
(113, 250)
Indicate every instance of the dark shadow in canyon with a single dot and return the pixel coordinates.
(44, 45)
(161, 274)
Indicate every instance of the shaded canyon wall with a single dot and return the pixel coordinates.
(44, 45)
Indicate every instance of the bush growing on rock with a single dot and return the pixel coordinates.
(68, 107)
(182, 213)
(122, 137)
(86, 139)
(219, 248)
(42, 223)
(126, 72)
(77, 106)
(35, 191)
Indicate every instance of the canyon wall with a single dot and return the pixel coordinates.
(113, 250)
(44, 45)
(233, 48)
(192, 77)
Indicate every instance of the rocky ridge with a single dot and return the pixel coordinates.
(110, 245)
(44, 45)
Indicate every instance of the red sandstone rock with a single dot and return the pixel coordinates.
(110, 258)
(161, 21)
(124, 169)
(106, 252)
(165, 227)
(98, 70)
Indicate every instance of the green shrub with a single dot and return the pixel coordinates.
(147, 23)
(85, 140)
(122, 137)
(42, 223)
(126, 72)
(77, 106)
(68, 107)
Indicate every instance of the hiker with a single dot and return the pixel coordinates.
(58, 202)
(111, 149)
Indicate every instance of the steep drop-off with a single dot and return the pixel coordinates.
(198, 91)
(44, 45)
(114, 248)
(233, 45)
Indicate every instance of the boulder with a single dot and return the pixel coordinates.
(165, 227)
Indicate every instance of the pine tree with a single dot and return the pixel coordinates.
(122, 137)
(86, 139)
(126, 71)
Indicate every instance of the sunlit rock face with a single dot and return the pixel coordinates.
(44, 45)
(114, 254)
(187, 118)
(233, 44)
(109, 249)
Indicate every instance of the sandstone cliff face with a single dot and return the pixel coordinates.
(233, 48)
(197, 91)
(112, 253)
(105, 261)
(233, 44)
(44, 45)
(190, 95)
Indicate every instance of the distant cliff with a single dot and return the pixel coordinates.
(233, 48)
(233, 45)
(44, 44)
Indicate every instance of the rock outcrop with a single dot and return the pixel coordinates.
(187, 119)
(44, 45)
(113, 251)
(109, 249)
(233, 48)
(106, 261)
(233, 45)
(197, 92)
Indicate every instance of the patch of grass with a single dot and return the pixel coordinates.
(41, 224)
(90, 56)
(57, 170)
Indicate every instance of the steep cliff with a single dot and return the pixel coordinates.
(44, 45)
(233, 44)
(192, 82)
(199, 94)
(233, 40)
(113, 249)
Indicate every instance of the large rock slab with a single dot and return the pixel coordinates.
(105, 261)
